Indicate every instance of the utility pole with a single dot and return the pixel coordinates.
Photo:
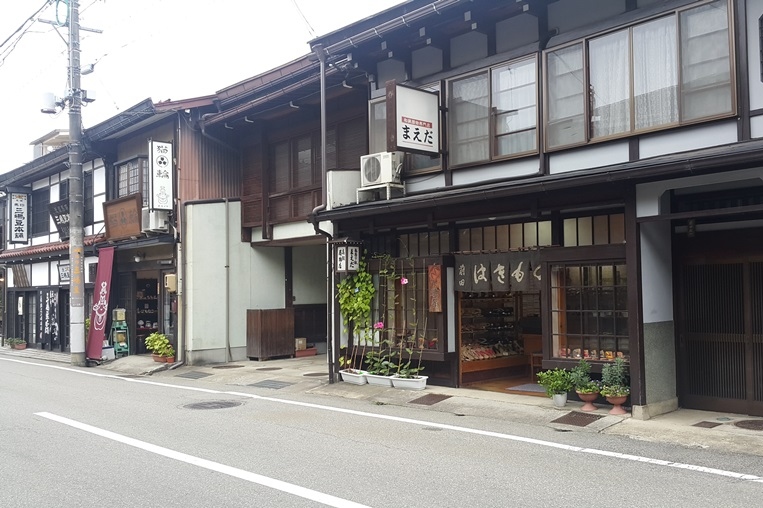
(76, 200)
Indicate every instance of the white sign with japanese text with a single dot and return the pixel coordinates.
(19, 218)
(417, 124)
(161, 176)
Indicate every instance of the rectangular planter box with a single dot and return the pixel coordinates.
(376, 380)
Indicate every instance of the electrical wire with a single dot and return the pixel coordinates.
(309, 26)
(30, 18)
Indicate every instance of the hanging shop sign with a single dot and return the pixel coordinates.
(525, 271)
(160, 167)
(59, 212)
(123, 217)
(415, 120)
(19, 217)
(346, 255)
(434, 289)
(99, 313)
(64, 273)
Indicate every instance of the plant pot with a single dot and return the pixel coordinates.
(559, 399)
(158, 358)
(19, 346)
(413, 383)
(588, 399)
(617, 403)
(169, 359)
(377, 380)
(354, 377)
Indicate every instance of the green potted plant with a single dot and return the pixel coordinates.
(16, 343)
(380, 366)
(160, 347)
(614, 379)
(586, 388)
(557, 383)
(408, 376)
(349, 373)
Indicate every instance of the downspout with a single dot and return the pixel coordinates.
(181, 284)
(321, 54)
(227, 282)
(211, 137)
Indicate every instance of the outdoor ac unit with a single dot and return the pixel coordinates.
(381, 168)
(155, 221)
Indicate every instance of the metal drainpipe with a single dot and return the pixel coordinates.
(227, 282)
(321, 54)
(181, 283)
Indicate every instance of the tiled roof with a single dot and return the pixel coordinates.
(48, 248)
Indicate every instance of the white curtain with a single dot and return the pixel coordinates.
(610, 84)
(515, 111)
(468, 117)
(655, 73)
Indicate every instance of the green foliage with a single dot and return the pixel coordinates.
(355, 293)
(159, 344)
(614, 379)
(11, 341)
(555, 381)
(380, 362)
(580, 376)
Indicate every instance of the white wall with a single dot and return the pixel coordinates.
(593, 156)
(656, 272)
(256, 279)
(309, 274)
(689, 138)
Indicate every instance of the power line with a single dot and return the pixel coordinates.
(309, 26)
(30, 18)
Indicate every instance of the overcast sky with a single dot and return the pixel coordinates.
(162, 49)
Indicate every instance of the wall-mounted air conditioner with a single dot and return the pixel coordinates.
(381, 168)
(155, 221)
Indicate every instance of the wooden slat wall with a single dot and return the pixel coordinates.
(251, 197)
(206, 170)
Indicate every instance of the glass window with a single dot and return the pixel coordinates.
(566, 91)
(632, 77)
(468, 114)
(514, 108)
(132, 178)
(705, 61)
(40, 211)
(589, 311)
(610, 84)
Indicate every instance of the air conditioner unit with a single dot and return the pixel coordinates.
(381, 168)
(155, 221)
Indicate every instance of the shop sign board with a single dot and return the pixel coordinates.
(499, 272)
(64, 273)
(99, 313)
(160, 167)
(48, 317)
(59, 212)
(123, 217)
(416, 120)
(19, 217)
(434, 289)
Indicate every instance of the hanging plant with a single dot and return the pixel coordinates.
(355, 293)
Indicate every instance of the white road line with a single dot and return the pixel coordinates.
(289, 488)
(455, 428)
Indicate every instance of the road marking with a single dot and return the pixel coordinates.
(455, 428)
(289, 488)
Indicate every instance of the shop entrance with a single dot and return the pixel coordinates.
(721, 332)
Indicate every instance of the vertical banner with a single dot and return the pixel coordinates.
(499, 272)
(100, 311)
(434, 288)
(48, 317)
(463, 280)
(535, 273)
(480, 273)
(19, 217)
(161, 176)
(59, 212)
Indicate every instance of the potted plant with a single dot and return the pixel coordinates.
(349, 373)
(380, 366)
(407, 376)
(557, 383)
(585, 387)
(614, 379)
(16, 343)
(160, 347)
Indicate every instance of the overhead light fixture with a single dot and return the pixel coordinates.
(139, 257)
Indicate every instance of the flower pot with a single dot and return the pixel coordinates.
(377, 380)
(588, 399)
(158, 358)
(413, 383)
(354, 377)
(169, 359)
(560, 399)
(19, 346)
(617, 403)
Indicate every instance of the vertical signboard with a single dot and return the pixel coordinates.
(19, 217)
(59, 212)
(161, 175)
(100, 312)
(48, 317)
(434, 287)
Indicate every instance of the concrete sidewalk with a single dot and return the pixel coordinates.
(685, 427)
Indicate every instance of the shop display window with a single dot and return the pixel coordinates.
(589, 311)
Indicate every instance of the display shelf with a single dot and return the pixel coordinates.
(494, 363)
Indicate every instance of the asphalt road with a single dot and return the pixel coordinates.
(69, 438)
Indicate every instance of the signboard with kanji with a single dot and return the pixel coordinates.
(59, 212)
(19, 217)
(416, 117)
(160, 167)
